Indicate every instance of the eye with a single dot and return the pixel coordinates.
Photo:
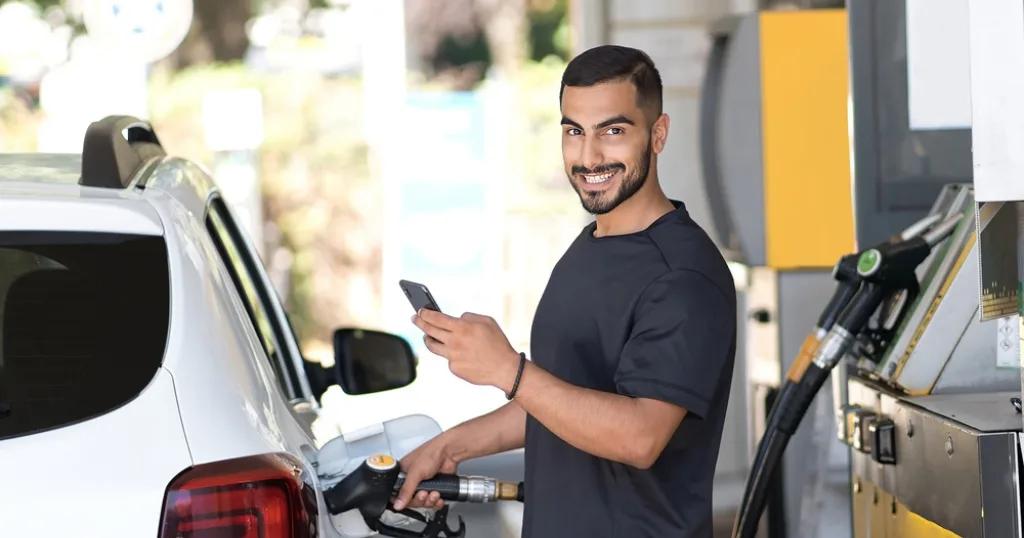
(572, 131)
(615, 131)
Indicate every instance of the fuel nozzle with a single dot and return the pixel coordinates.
(865, 280)
(884, 270)
(474, 489)
(368, 488)
(846, 273)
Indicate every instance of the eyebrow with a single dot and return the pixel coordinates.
(608, 122)
(612, 121)
(567, 121)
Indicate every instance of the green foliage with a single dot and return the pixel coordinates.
(457, 51)
(549, 31)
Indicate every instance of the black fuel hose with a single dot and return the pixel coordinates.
(797, 399)
(884, 270)
(848, 282)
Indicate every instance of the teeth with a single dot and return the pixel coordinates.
(598, 178)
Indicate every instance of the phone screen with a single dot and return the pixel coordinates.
(419, 296)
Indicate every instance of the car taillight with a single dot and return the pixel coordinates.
(260, 496)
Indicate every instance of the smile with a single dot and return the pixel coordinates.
(598, 178)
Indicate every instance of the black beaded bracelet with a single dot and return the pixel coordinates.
(519, 376)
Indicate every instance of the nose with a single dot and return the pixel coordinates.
(591, 155)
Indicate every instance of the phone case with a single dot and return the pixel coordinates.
(419, 296)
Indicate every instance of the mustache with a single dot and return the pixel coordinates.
(600, 169)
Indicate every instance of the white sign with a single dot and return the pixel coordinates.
(997, 87)
(938, 64)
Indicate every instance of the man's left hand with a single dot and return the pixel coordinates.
(476, 348)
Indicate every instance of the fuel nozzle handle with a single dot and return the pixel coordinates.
(846, 274)
(476, 489)
(883, 270)
(370, 487)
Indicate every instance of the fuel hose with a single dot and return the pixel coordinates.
(883, 270)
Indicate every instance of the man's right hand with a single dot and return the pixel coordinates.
(419, 465)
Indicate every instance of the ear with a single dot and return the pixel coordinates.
(659, 133)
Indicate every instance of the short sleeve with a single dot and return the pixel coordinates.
(680, 343)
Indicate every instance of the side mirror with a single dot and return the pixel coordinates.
(372, 361)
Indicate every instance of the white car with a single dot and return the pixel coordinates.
(150, 383)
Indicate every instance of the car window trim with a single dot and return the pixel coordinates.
(215, 228)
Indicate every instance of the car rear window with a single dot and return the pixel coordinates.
(83, 325)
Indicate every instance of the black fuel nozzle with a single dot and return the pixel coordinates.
(885, 269)
(370, 487)
(865, 280)
(890, 267)
(845, 273)
(849, 279)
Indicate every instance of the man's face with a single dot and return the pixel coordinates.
(606, 143)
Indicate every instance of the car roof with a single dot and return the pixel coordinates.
(113, 185)
(41, 192)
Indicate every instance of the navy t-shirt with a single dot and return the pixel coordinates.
(650, 314)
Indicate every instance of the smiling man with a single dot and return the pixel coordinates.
(622, 405)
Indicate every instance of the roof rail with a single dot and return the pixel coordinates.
(115, 148)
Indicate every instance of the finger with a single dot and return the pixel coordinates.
(408, 489)
(421, 497)
(435, 332)
(433, 498)
(449, 467)
(439, 504)
(438, 319)
(435, 346)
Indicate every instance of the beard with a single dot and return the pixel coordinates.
(599, 203)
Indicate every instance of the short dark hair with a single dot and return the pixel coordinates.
(607, 63)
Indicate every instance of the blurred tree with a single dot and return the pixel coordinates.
(459, 40)
(505, 25)
(217, 33)
(549, 27)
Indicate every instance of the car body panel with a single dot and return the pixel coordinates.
(229, 399)
(56, 207)
(228, 396)
(105, 476)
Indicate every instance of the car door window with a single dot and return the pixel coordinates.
(244, 268)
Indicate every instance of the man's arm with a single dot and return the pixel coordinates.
(500, 430)
(620, 428)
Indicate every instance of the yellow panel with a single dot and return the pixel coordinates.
(808, 200)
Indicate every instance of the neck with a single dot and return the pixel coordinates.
(637, 213)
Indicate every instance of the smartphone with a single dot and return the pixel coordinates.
(419, 296)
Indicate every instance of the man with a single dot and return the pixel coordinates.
(621, 407)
